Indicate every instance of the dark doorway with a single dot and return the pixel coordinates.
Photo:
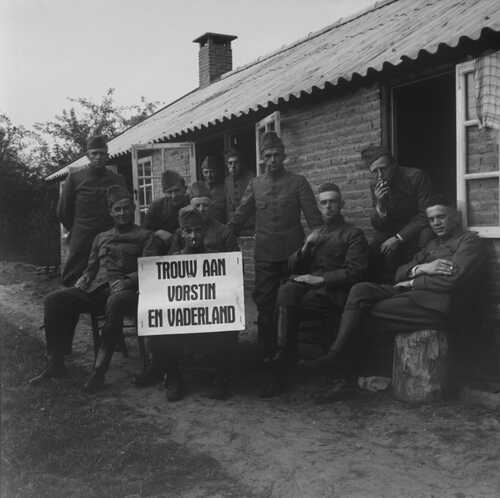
(424, 129)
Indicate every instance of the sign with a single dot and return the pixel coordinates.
(190, 293)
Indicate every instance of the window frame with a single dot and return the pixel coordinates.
(146, 185)
(462, 70)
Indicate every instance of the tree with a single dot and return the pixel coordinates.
(69, 130)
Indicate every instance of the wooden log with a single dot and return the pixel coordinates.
(420, 366)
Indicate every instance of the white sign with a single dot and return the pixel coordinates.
(189, 293)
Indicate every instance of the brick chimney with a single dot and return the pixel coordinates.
(215, 56)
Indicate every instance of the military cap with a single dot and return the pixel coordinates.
(374, 152)
(231, 152)
(271, 140)
(199, 189)
(190, 217)
(329, 187)
(96, 142)
(171, 179)
(210, 162)
(117, 193)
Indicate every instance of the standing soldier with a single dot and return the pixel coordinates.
(211, 173)
(163, 214)
(82, 207)
(400, 196)
(236, 182)
(276, 198)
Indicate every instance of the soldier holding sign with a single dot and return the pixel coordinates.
(167, 350)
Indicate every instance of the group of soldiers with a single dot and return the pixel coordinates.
(418, 266)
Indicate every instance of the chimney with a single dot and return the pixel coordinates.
(215, 56)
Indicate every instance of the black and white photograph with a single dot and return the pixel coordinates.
(250, 249)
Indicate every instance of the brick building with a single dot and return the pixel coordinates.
(410, 74)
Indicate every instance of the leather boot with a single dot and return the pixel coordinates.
(96, 379)
(55, 369)
(220, 389)
(173, 383)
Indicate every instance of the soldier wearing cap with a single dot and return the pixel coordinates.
(82, 206)
(108, 284)
(235, 183)
(162, 216)
(211, 172)
(435, 288)
(399, 198)
(277, 199)
(332, 259)
(167, 350)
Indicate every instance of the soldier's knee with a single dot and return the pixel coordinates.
(359, 293)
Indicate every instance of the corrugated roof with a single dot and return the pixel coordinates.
(388, 32)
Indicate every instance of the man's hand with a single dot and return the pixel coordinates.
(163, 235)
(312, 239)
(82, 283)
(390, 245)
(436, 267)
(314, 280)
(120, 285)
(381, 191)
(405, 284)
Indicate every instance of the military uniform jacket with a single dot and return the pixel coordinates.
(235, 187)
(340, 257)
(277, 203)
(410, 191)
(435, 292)
(218, 194)
(114, 256)
(163, 214)
(83, 211)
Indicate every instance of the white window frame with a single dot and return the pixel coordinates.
(269, 123)
(462, 70)
(189, 146)
(147, 183)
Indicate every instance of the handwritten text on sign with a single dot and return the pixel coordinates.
(191, 293)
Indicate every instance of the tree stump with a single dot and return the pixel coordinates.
(420, 366)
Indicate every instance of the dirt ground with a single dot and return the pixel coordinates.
(126, 442)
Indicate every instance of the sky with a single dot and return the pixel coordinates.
(54, 49)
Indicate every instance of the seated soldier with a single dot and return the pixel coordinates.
(162, 216)
(333, 258)
(445, 272)
(167, 350)
(211, 171)
(109, 285)
(398, 217)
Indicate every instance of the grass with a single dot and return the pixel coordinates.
(59, 442)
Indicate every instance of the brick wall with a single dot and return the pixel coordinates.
(214, 59)
(324, 142)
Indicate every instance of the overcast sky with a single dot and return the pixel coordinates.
(54, 49)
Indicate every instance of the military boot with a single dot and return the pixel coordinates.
(96, 380)
(173, 383)
(55, 369)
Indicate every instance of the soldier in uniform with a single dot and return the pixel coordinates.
(162, 216)
(277, 199)
(332, 259)
(236, 182)
(167, 350)
(82, 207)
(109, 284)
(438, 282)
(211, 171)
(398, 217)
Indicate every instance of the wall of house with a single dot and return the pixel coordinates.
(324, 141)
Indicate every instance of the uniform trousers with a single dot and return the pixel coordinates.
(63, 308)
(268, 277)
(392, 308)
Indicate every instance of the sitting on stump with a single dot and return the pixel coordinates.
(428, 289)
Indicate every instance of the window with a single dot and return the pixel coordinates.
(478, 161)
(269, 123)
(144, 184)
